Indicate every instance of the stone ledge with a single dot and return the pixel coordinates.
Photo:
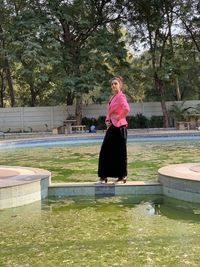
(109, 189)
(93, 184)
(181, 181)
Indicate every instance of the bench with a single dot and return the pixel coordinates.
(58, 130)
(2, 135)
(183, 125)
(68, 124)
(78, 128)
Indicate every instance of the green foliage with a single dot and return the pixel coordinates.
(138, 121)
(89, 121)
(156, 122)
(58, 50)
(153, 22)
(99, 123)
(179, 112)
(196, 109)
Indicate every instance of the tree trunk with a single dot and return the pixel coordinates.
(10, 83)
(178, 94)
(33, 95)
(78, 112)
(2, 89)
(165, 114)
(1, 99)
(70, 98)
(8, 73)
(159, 87)
(169, 12)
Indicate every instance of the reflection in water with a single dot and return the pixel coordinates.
(153, 209)
(111, 231)
(180, 210)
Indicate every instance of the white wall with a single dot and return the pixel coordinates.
(43, 118)
(38, 118)
(148, 109)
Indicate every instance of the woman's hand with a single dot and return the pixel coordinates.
(108, 124)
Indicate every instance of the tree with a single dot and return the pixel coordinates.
(4, 53)
(188, 12)
(154, 23)
(35, 53)
(147, 18)
(76, 22)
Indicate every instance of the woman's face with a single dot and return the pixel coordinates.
(116, 87)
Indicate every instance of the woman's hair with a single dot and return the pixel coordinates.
(119, 79)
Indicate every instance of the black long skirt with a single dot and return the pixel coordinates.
(113, 153)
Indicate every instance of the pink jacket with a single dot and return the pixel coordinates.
(117, 109)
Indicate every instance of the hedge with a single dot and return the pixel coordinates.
(138, 121)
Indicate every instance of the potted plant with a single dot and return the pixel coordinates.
(179, 114)
(194, 117)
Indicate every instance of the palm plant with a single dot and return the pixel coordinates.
(178, 112)
(196, 109)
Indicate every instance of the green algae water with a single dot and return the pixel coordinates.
(112, 231)
(78, 163)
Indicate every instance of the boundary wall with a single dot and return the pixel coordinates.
(30, 119)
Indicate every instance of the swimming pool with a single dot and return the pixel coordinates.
(110, 231)
(77, 140)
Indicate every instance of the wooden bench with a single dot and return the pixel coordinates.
(58, 130)
(68, 126)
(78, 128)
(183, 125)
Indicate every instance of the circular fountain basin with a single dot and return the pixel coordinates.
(181, 181)
(21, 185)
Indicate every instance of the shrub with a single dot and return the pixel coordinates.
(134, 122)
(89, 121)
(101, 123)
(138, 121)
(156, 122)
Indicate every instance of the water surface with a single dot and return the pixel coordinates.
(115, 231)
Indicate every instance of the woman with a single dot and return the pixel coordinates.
(113, 153)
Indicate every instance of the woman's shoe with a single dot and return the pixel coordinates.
(121, 179)
(105, 179)
(101, 180)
